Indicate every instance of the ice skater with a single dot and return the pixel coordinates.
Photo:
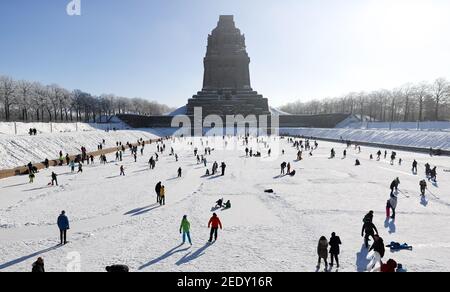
(214, 223)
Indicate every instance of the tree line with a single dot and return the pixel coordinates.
(22, 100)
(409, 103)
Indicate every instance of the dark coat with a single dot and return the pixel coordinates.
(369, 228)
(378, 246)
(63, 222)
(158, 188)
(322, 249)
(38, 268)
(335, 241)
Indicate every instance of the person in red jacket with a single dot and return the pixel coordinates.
(389, 267)
(214, 223)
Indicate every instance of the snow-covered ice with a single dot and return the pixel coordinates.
(115, 219)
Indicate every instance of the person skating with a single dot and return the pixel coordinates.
(334, 243)
(31, 176)
(30, 167)
(54, 179)
(322, 252)
(223, 166)
(345, 154)
(38, 266)
(378, 155)
(63, 225)
(185, 229)
(427, 170)
(368, 230)
(80, 167)
(414, 167)
(289, 168)
(379, 250)
(72, 166)
(158, 191)
(393, 203)
(283, 167)
(433, 174)
(423, 187)
(122, 170)
(333, 153)
(368, 217)
(392, 158)
(214, 223)
(394, 185)
(162, 195)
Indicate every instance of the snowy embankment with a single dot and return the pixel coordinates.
(419, 139)
(11, 128)
(17, 151)
(422, 126)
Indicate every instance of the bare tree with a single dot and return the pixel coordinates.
(440, 91)
(7, 95)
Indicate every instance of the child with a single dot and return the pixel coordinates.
(31, 176)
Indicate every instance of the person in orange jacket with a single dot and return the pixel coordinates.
(214, 223)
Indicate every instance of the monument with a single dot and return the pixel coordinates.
(226, 83)
(227, 90)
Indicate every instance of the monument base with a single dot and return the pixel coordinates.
(229, 102)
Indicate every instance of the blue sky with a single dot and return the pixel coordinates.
(300, 49)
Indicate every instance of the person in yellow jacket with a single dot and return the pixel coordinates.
(162, 195)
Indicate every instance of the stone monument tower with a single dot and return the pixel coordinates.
(226, 83)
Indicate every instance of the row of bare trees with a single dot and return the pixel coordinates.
(411, 102)
(31, 101)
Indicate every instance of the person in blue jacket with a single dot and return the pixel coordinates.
(63, 225)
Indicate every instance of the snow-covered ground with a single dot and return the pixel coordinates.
(11, 128)
(115, 219)
(422, 126)
(19, 150)
(420, 139)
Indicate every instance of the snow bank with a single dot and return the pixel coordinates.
(42, 128)
(423, 126)
(420, 139)
(19, 150)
